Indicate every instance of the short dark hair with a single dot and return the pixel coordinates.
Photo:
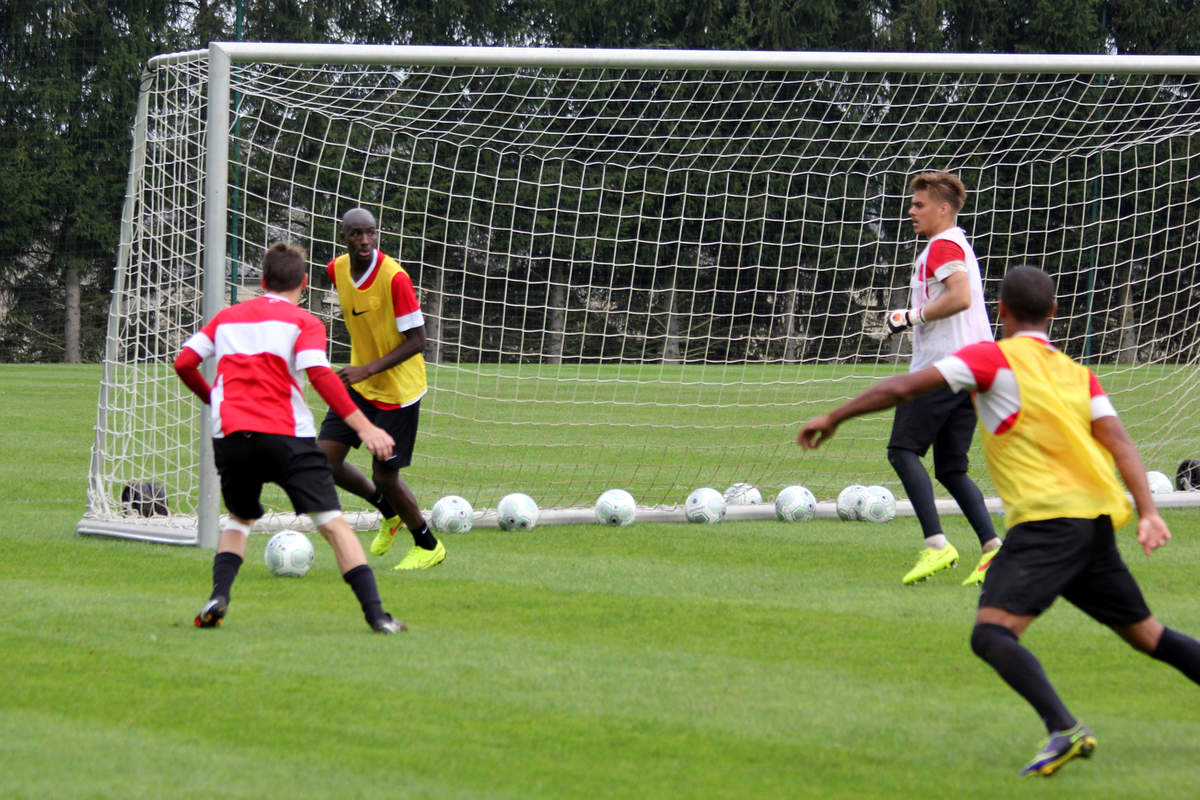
(945, 186)
(284, 267)
(1028, 293)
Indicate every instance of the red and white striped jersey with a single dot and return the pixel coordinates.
(262, 347)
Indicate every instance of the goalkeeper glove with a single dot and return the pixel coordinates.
(903, 319)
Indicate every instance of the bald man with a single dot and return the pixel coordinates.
(386, 380)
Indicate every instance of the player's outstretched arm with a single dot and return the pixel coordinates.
(887, 393)
(1152, 530)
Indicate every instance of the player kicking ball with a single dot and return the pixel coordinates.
(263, 430)
(1050, 437)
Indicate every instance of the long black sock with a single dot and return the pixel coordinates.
(1180, 651)
(362, 581)
(970, 500)
(225, 569)
(918, 487)
(1021, 670)
(381, 503)
(424, 538)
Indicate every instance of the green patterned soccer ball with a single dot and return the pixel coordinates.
(795, 504)
(704, 505)
(451, 514)
(289, 554)
(878, 505)
(616, 507)
(517, 512)
(849, 502)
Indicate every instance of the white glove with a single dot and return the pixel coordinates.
(902, 319)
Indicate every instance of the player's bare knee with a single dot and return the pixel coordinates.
(1142, 636)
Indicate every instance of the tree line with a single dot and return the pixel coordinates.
(69, 80)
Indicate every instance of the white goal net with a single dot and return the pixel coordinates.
(643, 269)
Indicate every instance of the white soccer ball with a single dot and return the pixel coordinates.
(452, 514)
(743, 494)
(616, 507)
(704, 505)
(517, 512)
(878, 505)
(289, 554)
(795, 504)
(1159, 482)
(850, 502)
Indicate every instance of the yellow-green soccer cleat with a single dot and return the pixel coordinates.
(929, 562)
(1060, 748)
(420, 558)
(980, 572)
(386, 537)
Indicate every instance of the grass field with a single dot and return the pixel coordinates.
(745, 660)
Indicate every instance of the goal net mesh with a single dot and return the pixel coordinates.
(647, 278)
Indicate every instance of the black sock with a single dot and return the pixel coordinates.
(970, 500)
(381, 503)
(918, 487)
(1021, 670)
(225, 569)
(1180, 651)
(362, 581)
(424, 538)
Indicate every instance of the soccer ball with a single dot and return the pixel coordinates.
(1187, 477)
(517, 512)
(451, 514)
(743, 494)
(704, 505)
(795, 504)
(1159, 482)
(850, 502)
(289, 554)
(616, 507)
(878, 504)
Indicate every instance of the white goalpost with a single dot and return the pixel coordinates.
(642, 269)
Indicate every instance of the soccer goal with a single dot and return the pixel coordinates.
(642, 269)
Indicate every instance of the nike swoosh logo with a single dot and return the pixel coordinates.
(355, 312)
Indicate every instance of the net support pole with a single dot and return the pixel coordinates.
(216, 178)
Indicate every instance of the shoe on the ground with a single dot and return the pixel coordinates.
(931, 561)
(213, 612)
(383, 540)
(420, 558)
(980, 572)
(1061, 747)
(386, 624)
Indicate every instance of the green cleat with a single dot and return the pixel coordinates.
(420, 558)
(980, 572)
(386, 537)
(929, 562)
(1061, 747)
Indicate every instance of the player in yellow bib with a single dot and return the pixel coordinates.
(1051, 439)
(386, 380)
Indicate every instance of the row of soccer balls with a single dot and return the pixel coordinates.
(518, 511)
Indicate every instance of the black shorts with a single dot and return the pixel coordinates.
(1074, 558)
(245, 461)
(401, 423)
(943, 419)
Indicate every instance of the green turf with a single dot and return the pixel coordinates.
(745, 660)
